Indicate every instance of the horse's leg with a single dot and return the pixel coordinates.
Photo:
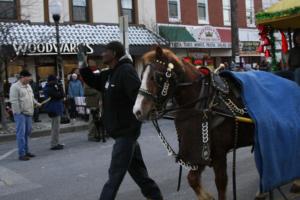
(194, 179)
(220, 169)
(296, 186)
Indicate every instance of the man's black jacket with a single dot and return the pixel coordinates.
(119, 87)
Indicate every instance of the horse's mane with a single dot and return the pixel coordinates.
(151, 55)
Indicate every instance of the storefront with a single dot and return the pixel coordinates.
(208, 45)
(249, 42)
(203, 45)
(35, 48)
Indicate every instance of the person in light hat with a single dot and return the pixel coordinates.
(75, 89)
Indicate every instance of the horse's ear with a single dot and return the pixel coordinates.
(159, 52)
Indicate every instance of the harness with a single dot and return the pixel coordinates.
(213, 89)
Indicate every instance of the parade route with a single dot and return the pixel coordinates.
(79, 171)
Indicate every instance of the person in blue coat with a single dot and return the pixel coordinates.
(75, 89)
(54, 107)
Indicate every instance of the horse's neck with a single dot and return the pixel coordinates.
(186, 94)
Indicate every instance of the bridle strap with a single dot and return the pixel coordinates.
(147, 94)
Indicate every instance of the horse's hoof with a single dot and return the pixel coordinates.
(295, 188)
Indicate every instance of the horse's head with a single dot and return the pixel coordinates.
(161, 73)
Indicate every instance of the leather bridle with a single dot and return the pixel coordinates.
(166, 80)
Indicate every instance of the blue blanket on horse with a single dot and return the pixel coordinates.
(274, 104)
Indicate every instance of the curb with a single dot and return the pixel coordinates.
(45, 132)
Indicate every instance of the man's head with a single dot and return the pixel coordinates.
(25, 77)
(297, 37)
(52, 79)
(113, 52)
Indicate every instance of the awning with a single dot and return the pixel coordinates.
(37, 39)
(195, 37)
(175, 34)
(282, 15)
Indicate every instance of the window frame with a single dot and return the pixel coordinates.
(134, 11)
(227, 8)
(17, 11)
(201, 21)
(178, 18)
(89, 10)
(250, 10)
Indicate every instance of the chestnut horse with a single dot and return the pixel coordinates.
(164, 77)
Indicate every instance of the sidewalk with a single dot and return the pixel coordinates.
(42, 128)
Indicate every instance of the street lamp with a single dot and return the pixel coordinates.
(56, 8)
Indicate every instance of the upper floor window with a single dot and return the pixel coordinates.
(226, 12)
(250, 13)
(80, 11)
(202, 8)
(8, 9)
(174, 10)
(128, 9)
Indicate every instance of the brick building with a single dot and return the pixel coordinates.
(200, 29)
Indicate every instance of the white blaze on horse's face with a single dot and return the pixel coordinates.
(141, 108)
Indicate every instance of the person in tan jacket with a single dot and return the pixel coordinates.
(22, 102)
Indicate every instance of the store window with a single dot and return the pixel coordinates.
(202, 8)
(226, 12)
(8, 9)
(129, 10)
(250, 13)
(174, 10)
(80, 11)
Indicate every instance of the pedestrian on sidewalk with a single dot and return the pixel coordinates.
(36, 93)
(54, 107)
(119, 86)
(22, 102)
(75, 89)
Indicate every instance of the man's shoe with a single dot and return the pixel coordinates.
(24, 158)
(58, 147)
(30, 155)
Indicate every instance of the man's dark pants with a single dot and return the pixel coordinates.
(127, 156)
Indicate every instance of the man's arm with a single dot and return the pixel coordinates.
(14, 100)
(92, 80)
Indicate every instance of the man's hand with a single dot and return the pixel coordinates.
(81, 56)
(37, 104)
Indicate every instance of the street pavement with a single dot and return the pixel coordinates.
(79, 171)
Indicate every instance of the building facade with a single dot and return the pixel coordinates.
(201, 29)
(27, 30)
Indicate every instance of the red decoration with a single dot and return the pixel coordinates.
(187, 59)
(260, 49)
(267, 53)
(266, 41)
(205, 71)
(198, 62)
(284, 44)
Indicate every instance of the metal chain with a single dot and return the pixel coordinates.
(233, 107)
(170, 150)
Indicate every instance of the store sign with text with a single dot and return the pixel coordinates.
(49, 49)
(221, 45)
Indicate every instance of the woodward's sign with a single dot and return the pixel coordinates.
(49, 49)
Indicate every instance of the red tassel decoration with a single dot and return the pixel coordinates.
(267, 53)
(284, 44)
(260, 49)
(266, 41)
